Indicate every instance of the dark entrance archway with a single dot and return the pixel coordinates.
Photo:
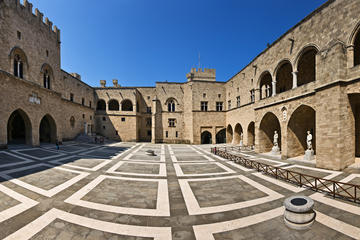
(354, 100)
(268, 125)
(251, 134)
(221, 136)
(206, 138)
(47, 130)
(19, 128)
(237, 133)
(229, 134)
(301, 121)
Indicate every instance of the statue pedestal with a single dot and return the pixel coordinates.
(309, 155)
(275, 150)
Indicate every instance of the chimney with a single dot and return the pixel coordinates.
(115, 83)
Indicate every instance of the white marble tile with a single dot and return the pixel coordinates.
(30, 230)
(162, 203)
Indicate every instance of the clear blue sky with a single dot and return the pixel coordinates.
(140, 42)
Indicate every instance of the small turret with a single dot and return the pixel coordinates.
(115, 83)
(103, 83)
(205, 74)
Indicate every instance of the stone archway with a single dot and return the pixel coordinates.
(301, 121)
(47, 129)
(237, 133)
(268, 125)
(206, 137)
(251, 134)
(221, 136)
(229, 134)
(19, 128)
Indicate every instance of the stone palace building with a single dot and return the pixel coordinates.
(307, 80)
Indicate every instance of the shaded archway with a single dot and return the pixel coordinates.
(354, 100)
(206, 137)
(113, 105)
(47, 130)
(19, 128)
(268, 125)
(284, 77)
(307, 66)
(101, 105)
(229, 134)
(126, 105)
(251, 134)
(357, 49)
(265, 85)
(221, 136)
(301, 121)
(237, 133)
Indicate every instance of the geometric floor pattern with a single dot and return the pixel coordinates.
(117, 191)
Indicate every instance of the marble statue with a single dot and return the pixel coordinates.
(241, 139)
(276, 139)
(309, 140)
(276, 150)
(309, 153)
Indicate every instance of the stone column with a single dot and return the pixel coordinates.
(273, 88)
(153, 119)
(257, 95)
(294, 79)
(350, 56)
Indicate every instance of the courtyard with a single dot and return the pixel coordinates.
(118, 191)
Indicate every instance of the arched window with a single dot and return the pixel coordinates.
(127, 105)
(357, 49)
(114, 105)
(18, 66)
(265, 85)
(101, 105)
(46, 79)
(171, 106)
(19, 63)
(72, 122)
(284, 77)
(307, 66)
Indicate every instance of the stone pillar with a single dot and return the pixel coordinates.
(350, 56)
(257, 94)
(273, 88)
(35, 137)
(153, 120)
(294, 79)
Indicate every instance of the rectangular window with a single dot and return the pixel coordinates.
(19, 35)
(166, 134)
(104, 119)
(123, 119)
(83, 101)
(204, 95)
(149, 132)
(204, 106)
(148, 109)
(252, 96)
(71, 97)
(116, 133)
(83, 115)
(219, 106)
(172, 122)
(238, 101)
(90, 104)
(229, 104)
(177, 134)
(148, 122)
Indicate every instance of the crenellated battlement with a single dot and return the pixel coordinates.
(26, 9)
(199, 74)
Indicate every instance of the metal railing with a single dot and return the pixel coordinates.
(346, 191)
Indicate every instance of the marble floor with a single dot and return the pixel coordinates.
(117, 191)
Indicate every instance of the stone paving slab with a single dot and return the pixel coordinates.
(116, 191)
